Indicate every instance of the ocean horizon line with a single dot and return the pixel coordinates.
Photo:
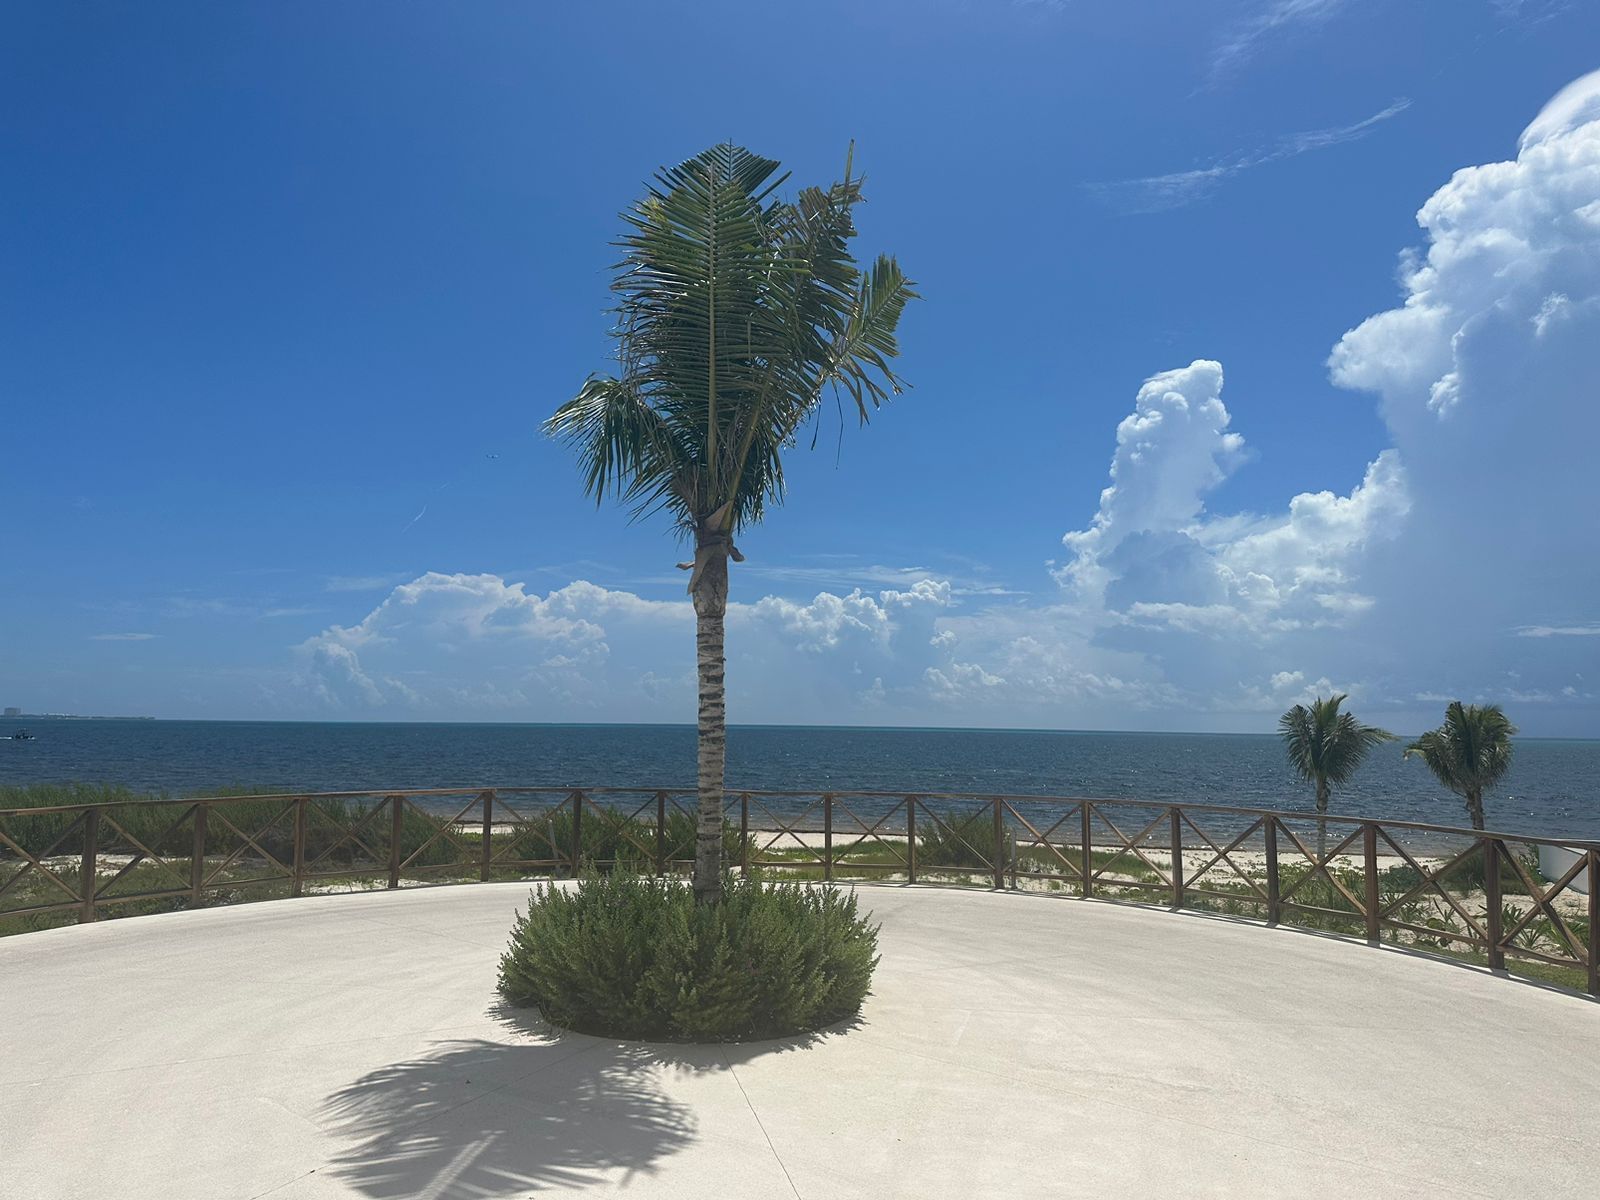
(690, 726)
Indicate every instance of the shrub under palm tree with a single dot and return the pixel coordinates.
(1469, 753)
(739, 312)
(1325, 747)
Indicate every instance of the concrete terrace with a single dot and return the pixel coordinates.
(1015, 1045)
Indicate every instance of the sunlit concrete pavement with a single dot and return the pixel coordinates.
(1014, 1045)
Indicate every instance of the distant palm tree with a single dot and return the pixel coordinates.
(1469, 753)
(739, 313)
(1325, 746)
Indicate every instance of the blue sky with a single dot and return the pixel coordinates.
(289, 288)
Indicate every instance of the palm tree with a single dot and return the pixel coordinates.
(738, 313)
(1325, 746)
(1469, 753)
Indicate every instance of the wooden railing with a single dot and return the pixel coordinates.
(1458, 891)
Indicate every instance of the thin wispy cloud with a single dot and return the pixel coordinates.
(1281, 18)
(1549, 631)
(188, 607)
(121, 637)
(1160, 193)
(361, 583)
(874, 575)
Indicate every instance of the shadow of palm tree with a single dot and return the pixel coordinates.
(477, 1117)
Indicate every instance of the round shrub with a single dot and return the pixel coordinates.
(630, 956)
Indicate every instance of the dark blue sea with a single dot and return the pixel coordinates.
(1553, 787)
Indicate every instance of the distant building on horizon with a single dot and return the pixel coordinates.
(13, 712)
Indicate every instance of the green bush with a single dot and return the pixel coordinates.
(624, 955)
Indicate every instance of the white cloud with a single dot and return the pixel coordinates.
(1154, 555)
(1279, 18)
(1485, 376)
(1159, 193)
(121, 637)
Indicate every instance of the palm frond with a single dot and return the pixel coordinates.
(736, 311)
(1471, 751)
(1324, 745)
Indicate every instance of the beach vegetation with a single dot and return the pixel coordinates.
(739, 313)
(1470, 753)
(634, 956)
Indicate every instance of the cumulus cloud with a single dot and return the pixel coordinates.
(480, 643)
(1485, 376)
(1154, 555)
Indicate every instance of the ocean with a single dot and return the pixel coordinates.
(1553, 787)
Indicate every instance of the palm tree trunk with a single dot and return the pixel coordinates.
(1322, 813)
(709, 587)
(1475, 808)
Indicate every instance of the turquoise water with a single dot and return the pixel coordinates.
(1553, 788)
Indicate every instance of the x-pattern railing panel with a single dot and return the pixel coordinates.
(443, 830)
(623, 825)
(1134, 846)
(354, 834)
(248, 841)
(106, 890)
(1542, 898)
(1223, 854)
(779, 830)
(869, 833)
(526, 824)
(1433, 887)
(1045, 840)
(35, 863)
(1320, 864)
(954, 825)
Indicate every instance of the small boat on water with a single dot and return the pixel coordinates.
(22, 735)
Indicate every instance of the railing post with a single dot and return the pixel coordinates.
(911, 839)
(1274, 908)
(397, 826)
(1594, 922)
(1087, 883)
(197, 857)
(827, 838)
(999, 847)
(1491, 903)
(487, 850)
(1369, 847)
(299, 883)
(744, 833)
(577, 832)
(661, 833)
(89, 864)
(1177, 857)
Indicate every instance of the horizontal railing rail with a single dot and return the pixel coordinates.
(1485, 895)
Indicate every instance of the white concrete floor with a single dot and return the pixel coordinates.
(1014, 1045)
